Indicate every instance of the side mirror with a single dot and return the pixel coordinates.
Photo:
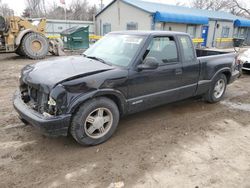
(149, 63)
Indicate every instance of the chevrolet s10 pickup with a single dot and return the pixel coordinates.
(123, 73)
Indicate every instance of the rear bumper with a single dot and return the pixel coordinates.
(50, 126)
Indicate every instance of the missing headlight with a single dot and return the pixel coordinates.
(51, 102)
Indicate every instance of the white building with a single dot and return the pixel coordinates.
(216, 28)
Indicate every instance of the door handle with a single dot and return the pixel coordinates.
(178, 71)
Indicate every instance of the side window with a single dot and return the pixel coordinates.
(187, 48)
(106, 28)
(235, 31)
(163, 49)
(242, 32)
(159, 26)
(191, 30)
(132, 26)
(225, 32)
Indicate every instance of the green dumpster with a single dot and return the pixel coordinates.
(237, 42)
(75, 38)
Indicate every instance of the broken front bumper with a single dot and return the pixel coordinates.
(51, 126)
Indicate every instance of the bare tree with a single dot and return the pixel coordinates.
(236, 7)
(239, 8)
(211, 4)
(200, 4)
(78, 10)
(56, 12)
(36, 7)
(92, 12)
(26, 12)
(5, 10)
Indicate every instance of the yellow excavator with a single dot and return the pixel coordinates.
(23, 37)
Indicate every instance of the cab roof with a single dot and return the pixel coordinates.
(147, 33)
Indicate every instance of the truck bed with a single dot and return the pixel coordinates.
(212, 55)
(204, 52)
(216, 59)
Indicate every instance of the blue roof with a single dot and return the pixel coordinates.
(153, 7)
(242, 23)
(168, 10)
(179, 18)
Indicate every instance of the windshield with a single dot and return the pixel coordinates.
(116, 49)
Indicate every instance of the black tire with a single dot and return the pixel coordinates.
(79, 122)
(34, 46)
(19, 51)
(210, 96)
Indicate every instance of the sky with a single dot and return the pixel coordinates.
(19, 5)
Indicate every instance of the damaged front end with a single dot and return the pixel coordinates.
(35, 106)
(34, 98)
(47, 91)
(42, 102)
(37, 95)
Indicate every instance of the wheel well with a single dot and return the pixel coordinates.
(21, 35)
(21, 39)
(228, 75)
(116, 100)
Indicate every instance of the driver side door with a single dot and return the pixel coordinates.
(149, 88)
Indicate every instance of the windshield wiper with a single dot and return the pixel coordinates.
(96, 58)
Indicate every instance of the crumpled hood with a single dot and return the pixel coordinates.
(47, 74)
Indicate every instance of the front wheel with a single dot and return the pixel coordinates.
(95, 121)
(217, 89)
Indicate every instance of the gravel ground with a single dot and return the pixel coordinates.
(186, 144)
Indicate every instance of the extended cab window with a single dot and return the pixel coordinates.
(163, 49)
(187, 48)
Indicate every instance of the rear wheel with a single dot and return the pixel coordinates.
(217, 89)
(95, 121)
(34, 46)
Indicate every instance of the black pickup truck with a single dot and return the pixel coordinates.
(123, 73)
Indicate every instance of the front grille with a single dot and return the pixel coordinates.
(36, 99)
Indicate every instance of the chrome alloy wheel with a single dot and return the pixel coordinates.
(219, 88)
(98, 123)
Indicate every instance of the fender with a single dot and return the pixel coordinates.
(226, 69)
(204, 85)
(122, 104)
(21, 34)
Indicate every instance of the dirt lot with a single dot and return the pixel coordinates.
(187, 144)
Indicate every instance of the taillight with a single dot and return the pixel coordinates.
(236, 64)
(237, 60)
